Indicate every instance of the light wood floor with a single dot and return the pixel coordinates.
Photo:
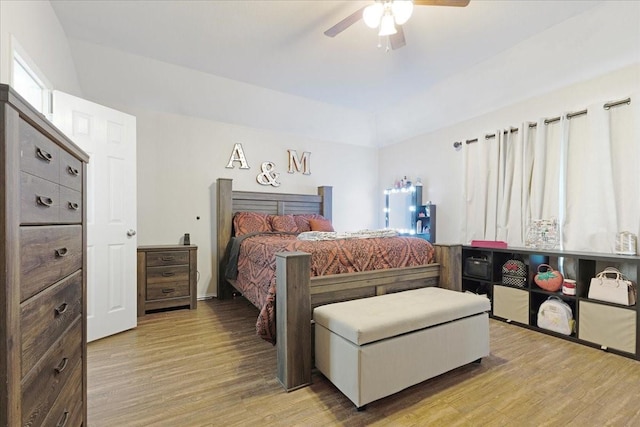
(206, 367)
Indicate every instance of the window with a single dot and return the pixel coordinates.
(28, 82)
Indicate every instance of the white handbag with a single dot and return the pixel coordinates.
(611, 286)
(556, 315)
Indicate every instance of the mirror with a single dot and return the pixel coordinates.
(400, 208)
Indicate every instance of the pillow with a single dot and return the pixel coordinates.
(320, 224)
(302, 220)
(250, 222)
(284, 223)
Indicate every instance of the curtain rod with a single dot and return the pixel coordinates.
(616, 103)
(606, 106)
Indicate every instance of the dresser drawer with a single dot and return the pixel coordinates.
(162, 290)
(67, 409)
(39, 200)
(44, 202)
(47, 254)
(46, 316)
(70, 171)
(70, 206)
(39, 155)
(166, 274)
(155, 259)
(51, 374)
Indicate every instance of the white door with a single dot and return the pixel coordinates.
(109, 137)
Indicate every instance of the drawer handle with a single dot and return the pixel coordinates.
(168, 258)
(72, 171)
(73, 206)
(43, 155)
(63, 420)
(168, 273)
(61, 308)
(44, 201)
(61, 366)
(62, 252)
(168, 290)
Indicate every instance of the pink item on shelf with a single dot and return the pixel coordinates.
(489, 244)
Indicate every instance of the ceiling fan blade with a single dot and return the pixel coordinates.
(345, 23)
(456, 3)
(397, 40)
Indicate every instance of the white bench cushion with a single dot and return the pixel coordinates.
(367, 320)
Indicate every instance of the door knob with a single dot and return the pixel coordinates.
(131, 232)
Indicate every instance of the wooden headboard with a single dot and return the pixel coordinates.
(229, 202)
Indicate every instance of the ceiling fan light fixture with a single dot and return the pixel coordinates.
(372, 15)
(387, 25)
(402, 10)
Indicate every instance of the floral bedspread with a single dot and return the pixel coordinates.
(256, 264)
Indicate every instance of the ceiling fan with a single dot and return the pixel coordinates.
(389, 16)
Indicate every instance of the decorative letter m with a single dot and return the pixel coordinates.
(299, 165)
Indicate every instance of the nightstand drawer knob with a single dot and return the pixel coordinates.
(168, 273)
(61, 366)
(168, 258)
(73, 206)
(72, 171)
(168, 290)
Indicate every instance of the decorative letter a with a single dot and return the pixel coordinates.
(238, 156)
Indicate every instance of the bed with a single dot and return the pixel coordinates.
(297, 291)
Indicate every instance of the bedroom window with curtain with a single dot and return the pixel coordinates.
(579, 168)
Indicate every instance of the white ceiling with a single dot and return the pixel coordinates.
(280, 45)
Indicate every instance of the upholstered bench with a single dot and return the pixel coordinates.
(373, 347)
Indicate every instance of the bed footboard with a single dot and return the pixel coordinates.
(298, 294)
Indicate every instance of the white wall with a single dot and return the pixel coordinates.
(180, 158)
(432, 157)
(603, 39)
(37, 29)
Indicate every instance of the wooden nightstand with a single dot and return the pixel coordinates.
(167, 277)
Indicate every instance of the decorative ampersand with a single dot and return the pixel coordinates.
(268, 176)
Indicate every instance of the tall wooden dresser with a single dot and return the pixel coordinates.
(43, 270)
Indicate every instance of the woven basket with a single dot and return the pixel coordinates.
(548, 279)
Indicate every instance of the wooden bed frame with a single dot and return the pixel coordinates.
(298, 293)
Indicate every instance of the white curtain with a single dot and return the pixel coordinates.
(580, 169)
(590, 212)
(513, 195)
(624, 121)
(481, 189)
(545, 179)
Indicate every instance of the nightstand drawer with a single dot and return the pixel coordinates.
(166, 274)
(156, 259)
(46, 316)
(51, 374)
(162, 290)
(47, 254)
